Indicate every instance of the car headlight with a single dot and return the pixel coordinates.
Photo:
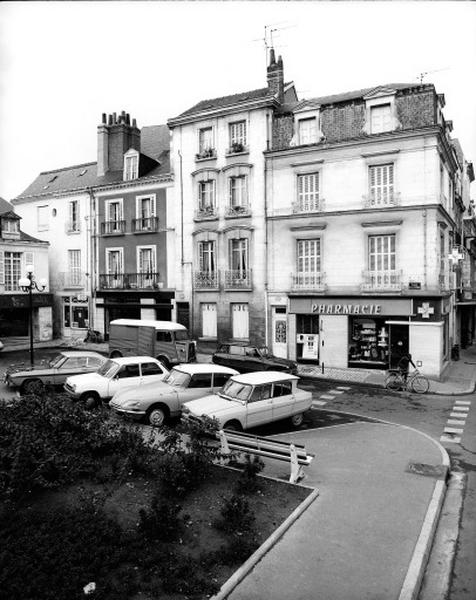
(130, 404)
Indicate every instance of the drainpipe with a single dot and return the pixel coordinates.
(92, 241)
(266, 307)
(425, 266)
(182, 261)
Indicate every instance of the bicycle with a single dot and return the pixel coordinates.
(414, 382)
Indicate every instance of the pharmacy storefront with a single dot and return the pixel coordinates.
(370, 333)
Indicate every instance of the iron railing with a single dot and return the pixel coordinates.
(145, 224)
(113, 227)
(205, 280)
(129, 281)
(238, 279)
(381, 281)
(309, 281)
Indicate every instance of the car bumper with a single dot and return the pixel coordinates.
(131, 413)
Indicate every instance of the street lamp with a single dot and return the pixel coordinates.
(28, 284)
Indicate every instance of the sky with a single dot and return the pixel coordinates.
(63, 64)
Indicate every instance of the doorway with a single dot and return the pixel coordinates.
(280, 332)
(399, 344)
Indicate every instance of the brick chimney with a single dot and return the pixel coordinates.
(275, 73)
(116, 136)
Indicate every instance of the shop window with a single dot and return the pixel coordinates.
(75, 313)
(368, 345)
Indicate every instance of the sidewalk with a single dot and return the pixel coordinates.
(368, 533)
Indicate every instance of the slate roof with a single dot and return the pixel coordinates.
(155, 144)
(356, 94)
(5, 206)
(224, 101)
(6, 209)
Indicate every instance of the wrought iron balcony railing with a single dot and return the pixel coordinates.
(205, 280)
(308, 205)
(130, 281)
(145, 224)
(238, 279)
(113, 227)
(309, 281)
(383, 281)
(206, 212)
(71, 279)
(241, 210)
(381, 199)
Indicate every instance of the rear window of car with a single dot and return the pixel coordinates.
(238, 350)
(283, 388)
(201, 380)
(150, 368)
(219, 379)
(129, 371)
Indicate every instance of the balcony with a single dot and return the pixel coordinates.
(312, 282)
(238, 280)
(206, 213)
(309, 205)
(237, 148)
(71, 280)
(130, 281)
(381, 281)
(381, 199)
(113, 227)
(205, 280)
(145, 225)
(239, 210)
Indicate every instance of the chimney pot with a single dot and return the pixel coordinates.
(114, 118)
(134, 123)
(104, 121)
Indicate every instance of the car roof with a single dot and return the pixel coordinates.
(170, 325)
(192, 368)
(128, 360)
(258, 377)
(70, 353)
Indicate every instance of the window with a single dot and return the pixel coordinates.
(163, 336)
(381, 184)
(207, 256)
(145, 208)
(42, 216)
(13, 270)
(219, 379)
(73, 216)
(76, 313)
(309, 256)
(114, 261)
(261, 392)
(283, 388)
(382, 253)
(209, 320)
(201, 380)
(308, 192)
(206, 195)
(205, 140)
(10, 225)
(239, 256)
(114, 212)
(128, 371)
(380, 118)
(150, 369)
(74, 266)
(238, 191)
(307, 131)
(131, 163)
(237, 132)
(146, 260)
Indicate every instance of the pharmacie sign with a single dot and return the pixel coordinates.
(351, 306)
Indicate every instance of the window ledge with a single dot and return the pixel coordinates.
(242, 153)
(205, 158)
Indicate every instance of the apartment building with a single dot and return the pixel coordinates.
(217, 151)
(20, 252)
(366, 192)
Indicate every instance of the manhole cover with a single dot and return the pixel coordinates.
(438, 471)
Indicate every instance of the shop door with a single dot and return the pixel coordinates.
(240, 321)
(209, 320)
(399, 344)
(280, 332)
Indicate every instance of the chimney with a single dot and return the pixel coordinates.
(115, 137)
(275, 75)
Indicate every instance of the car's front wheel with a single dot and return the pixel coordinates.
(297, 420)
(157, 415)
(33, 386)
(90, 399)
(233, 426)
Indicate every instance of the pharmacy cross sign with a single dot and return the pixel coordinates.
(426, 310)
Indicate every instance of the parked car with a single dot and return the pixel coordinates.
(247, 359)
(114, 375)
(253, 399)
(157, 402)
(55, 372)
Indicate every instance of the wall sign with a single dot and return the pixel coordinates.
(352, 306)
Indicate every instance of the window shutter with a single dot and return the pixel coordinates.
(2, 268)
(28, 256)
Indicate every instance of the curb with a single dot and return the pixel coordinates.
(265, 547)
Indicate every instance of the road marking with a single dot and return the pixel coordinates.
(456, 422)
(450, 439)
(452, 430)
(337, 391)
(318, 403)
(343, 387)
(461, 408)
(326, 397)
(463, 402)
(458, 415)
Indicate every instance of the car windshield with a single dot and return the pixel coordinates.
(108, 369)
(56, 361)
(235, 390)
(181, 335)
(177, 378)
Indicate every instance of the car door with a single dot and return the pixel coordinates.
(283, 400)
(151, 372)
(74, 365)
(253, 360)
(93, 363)
(200, 385)
(127, 376)
(259, 407)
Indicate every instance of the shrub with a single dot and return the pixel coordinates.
(162, 522)
(248, 480)
(236, 516)
(238, 549)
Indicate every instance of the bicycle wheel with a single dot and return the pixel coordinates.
(393, 381)
(420, 384)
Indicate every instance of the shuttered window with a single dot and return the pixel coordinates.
(238, 133)
(13, 270)
(206, 194)
(2, 267)
(382, 253)
(309, 256)
(381, 184)
(74, 263)
(308, 191)
(307, 130)
(238, 191)
(380, 118)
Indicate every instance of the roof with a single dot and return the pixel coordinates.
(170, 325)
(5, 206)
(224, 101)
(258, 377)
(356, 94)
(155, 144)
(193, 368)
(73, 353)
(130, 360)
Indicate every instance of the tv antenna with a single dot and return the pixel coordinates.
(269, 32)
(421, 76)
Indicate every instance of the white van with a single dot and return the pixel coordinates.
(166, 341)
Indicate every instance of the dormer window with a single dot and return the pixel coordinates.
(381, 118)
(306, 124)
(131, 165)
(381, 112)
(10, 225)
(307, 131)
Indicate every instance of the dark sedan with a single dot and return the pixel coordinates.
(247, 359)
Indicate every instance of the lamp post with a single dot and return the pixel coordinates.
(28, 284)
